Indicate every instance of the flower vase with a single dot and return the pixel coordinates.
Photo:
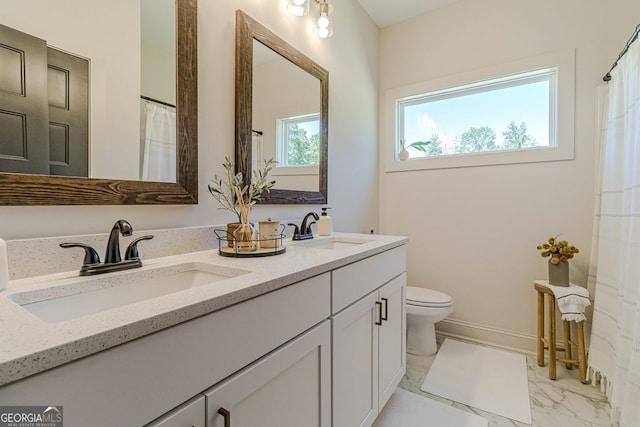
(558, 273)
(244, 238)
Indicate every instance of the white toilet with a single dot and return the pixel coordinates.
(425, 307)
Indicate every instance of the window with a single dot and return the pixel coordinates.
(510, 113)
(298, 141)
(506, 114)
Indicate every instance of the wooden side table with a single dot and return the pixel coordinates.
(550, 342)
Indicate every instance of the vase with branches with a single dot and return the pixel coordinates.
(239, 197)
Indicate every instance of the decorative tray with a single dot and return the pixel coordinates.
(263, 247)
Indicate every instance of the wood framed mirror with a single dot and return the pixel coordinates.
(248, 33)
(24, 189)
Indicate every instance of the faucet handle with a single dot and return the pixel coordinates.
(90, 255)
(309, 230)
(132, 249)
(296, 232)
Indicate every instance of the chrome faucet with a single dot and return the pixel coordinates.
(113, 261)
(304, 232)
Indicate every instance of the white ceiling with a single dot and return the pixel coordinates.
(388, 12)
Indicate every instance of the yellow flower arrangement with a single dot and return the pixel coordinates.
(558, 250)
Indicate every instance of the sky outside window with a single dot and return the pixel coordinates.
(450, 117)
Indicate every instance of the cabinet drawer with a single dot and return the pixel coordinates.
(356, 280)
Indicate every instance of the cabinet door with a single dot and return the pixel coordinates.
(290, 387)
(392, 338)
(189, 414)
(355, 364)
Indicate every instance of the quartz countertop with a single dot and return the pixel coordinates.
(29, 345)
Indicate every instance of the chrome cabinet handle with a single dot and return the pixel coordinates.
(379, 305)
(385, 316)
(226, 415)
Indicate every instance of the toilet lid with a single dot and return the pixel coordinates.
(427, 297)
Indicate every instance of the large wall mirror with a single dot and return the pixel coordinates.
(137, 139)
(281, 114)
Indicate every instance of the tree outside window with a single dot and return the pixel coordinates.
(298, 141)
(302, 149)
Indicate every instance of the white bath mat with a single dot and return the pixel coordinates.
(405, 409)
(485, 378)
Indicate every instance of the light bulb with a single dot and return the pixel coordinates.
(323, 33)
(323, 28)
(296, 10)
(298, 7)
(323, 22)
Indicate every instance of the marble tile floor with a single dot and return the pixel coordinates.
(565, 402)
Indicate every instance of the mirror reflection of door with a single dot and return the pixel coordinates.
(136, 57)
(43, 107)
(67, 87)
(285, 120)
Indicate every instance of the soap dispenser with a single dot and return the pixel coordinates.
(324, 223)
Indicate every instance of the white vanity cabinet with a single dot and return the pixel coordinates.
(326, 351)
(289, 387)
(392, 338)
(368, 338)
(135, 383)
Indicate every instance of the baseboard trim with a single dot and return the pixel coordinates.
(489, 335)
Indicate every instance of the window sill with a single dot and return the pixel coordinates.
(532, 155)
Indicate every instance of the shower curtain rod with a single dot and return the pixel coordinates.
(146, 98)
(633, 38)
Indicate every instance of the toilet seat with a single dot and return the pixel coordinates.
(427, 297)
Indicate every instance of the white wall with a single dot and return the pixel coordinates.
(158, 73)
(350, 56)
(473, 231)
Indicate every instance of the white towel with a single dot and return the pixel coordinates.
(571, 300)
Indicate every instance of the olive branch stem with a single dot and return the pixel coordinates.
(234, 195)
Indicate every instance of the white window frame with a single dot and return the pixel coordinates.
(561, 143)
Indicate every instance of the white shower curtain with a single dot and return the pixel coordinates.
(159, 155)
(614, 353)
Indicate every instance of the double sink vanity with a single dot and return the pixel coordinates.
(315, 336)
(312, 337)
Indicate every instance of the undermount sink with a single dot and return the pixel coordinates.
(332, 242)
(93, 295)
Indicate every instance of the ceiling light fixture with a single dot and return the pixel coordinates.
(324, 25)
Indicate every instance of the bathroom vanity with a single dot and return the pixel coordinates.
(315, 336)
